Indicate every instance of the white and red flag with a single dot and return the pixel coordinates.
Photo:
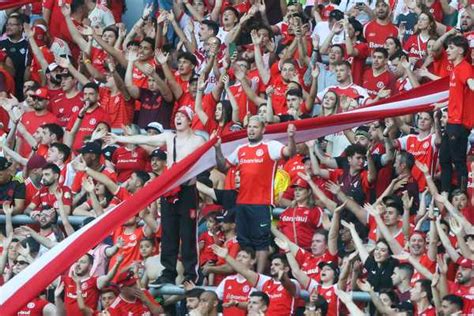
(30, 282)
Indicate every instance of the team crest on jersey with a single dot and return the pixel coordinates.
(133, 237)
(380, 85)
(280, 288)
(246, 289)
(30, 305)
(22, 51)
(92, 121)
(75, 108)
(134, 154)
(84, 286)
(259, 152)
(67, 195)
(425, 145)
(61, 110)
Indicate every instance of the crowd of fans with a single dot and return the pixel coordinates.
(92, 112)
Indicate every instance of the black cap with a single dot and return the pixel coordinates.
(336, 14)
(91, 148)
(4, 164)
(229, 216)
(332, 264)
(404, 307)
(160, 154)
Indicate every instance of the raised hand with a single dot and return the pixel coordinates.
(219, 251)
(59, 289)
(364, 286)
(455, 226)
(66, 9)
(161, 57)
(88, 184)
(291, 130)
(86, 30)
(256, 39)
(306, 177)
(132, 56)
(58, 194)
(340, 207)
(422, 167)
(29, 33)
(282, 244)
(403, 256)
(79, 164)
(7, 208)
(348, 225)
(269, 91)
(147, 11)
(63, 62)
(333, 187)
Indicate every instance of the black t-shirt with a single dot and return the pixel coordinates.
(18, 52)
(12, 190)
(153, 109)
(380, 277)
(226, 198)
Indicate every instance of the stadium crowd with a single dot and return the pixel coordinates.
(92, 112)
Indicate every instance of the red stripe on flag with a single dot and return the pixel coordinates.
(6, 4)
(31, 281)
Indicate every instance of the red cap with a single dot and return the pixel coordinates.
(126, 278)
(186, 110)
(300, 183)
(41, 32)
(465, 263)
(42, 93)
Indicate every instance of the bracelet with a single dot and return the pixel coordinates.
(87, 61)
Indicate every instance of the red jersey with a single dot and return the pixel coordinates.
(34, 307)
(65, 108)
(279, 95)
(441, 66)
(352, 91)
(30, 191)
(358, 62)
(127, 161)
(294, 165)
(428, 264)
(372, 224)
(207, 239)
(281, 301)
(376, 33)
(329, 294)
(98, 58)
(90, 294)
(245, 105)
(466, 292)
(300, 223)
(234, 288)
(121, 307)
(88, 124)
(31, 120)
(416, 47)
(44, 199)
(257, 165)
(459, 106)
(130, 250)
(119, 110)
(233, 247)
(374, 84)
(35, 65)
(424, 150)
(139, 78)
(429, 311)
(309, 263)
(56, 16)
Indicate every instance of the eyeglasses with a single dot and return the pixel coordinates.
(20, 262)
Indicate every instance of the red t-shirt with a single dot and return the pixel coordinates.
(282, 303)
(416, 47)
(88, 124)
(130, 250)
(119, 110)
(233, 246)
(56, 16)
(35, 65)
(127, 161)
(358, 62)
(122, 307)
(98, 58)
(294, 165)
(45, 199)
(90, 294)
(31, 191)
(374, 84)
(34, 307)
(65, 108)
(257, 165)
(77, 183)
(376, 34)
(466, 292)
(32, 121)
(234, 288)
(300, 223)
(459, 106)
(279, 95)
(309, 263)
(441, 66)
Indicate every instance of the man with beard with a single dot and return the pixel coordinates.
(256, 162)
(46, 197)
(421, 295)
(178, 208)
(451, 305)
(376, 31)
(36, 118)
(89, 287)
(69, 101)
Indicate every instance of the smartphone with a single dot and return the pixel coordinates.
(232, 49)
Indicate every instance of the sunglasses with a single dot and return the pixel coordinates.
(20, 262)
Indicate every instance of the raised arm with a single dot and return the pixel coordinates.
(250, 275)
(76, 36)
(103, 280)
(363, 253)
(450, 250)
(190, 47)
(334, 229)
(299, 275)
(154, 140)
(382, 228)
(262, 70)
(162, 58)
(201, 86)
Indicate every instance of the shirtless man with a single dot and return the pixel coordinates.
(178, 209)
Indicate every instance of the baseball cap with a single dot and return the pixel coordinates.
(300, 183)
(156, 126)
(186, 110)
(40, 32)
(42, 93)
(91, 148)
(404, 307)
(363, 131)
(336, 15)
(36, 162)
(332, 264)
(52, 67)
(4, 164)
(229, 216)
(160, 154)
(126, 278)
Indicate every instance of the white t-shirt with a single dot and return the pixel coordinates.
(101, 16)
